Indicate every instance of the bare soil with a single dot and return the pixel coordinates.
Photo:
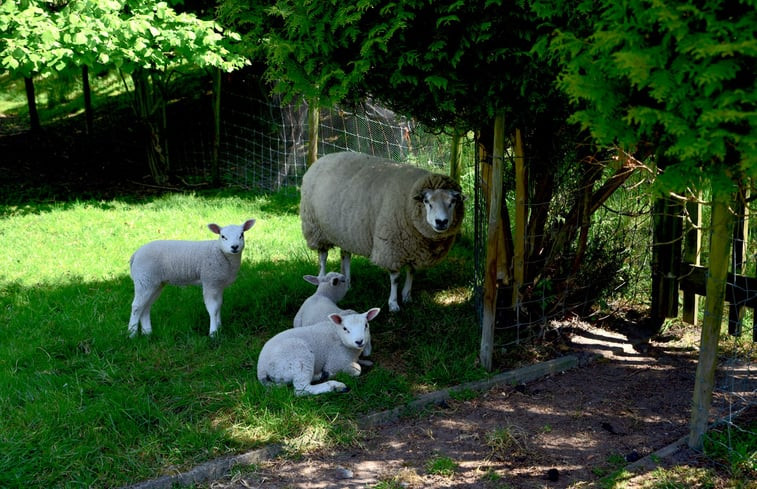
(568, 430)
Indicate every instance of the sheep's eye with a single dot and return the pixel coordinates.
(345, 329)
(223, 237)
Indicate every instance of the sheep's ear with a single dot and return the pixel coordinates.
(459, 197)
(336, 318)
(311, 279)
(215, 228)
(248, 224)
(421, 196)
(372, 313)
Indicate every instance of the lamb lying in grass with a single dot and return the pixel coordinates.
(301, 356)
(214, 264)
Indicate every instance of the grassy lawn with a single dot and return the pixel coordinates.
(84, 405)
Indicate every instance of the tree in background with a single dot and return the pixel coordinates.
(675, 79)
(144, 40)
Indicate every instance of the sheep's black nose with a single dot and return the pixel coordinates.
(359, 342)
(234, 248)
(442, 223)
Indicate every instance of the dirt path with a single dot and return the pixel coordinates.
(567, 430)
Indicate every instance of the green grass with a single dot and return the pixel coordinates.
(84, 405)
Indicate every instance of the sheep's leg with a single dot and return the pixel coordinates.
(394, 278)
(323, 255)
(406, 290)
(144, 297)
(345, 266)
(213, 301)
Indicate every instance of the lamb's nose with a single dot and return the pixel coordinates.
(441, 223)
(234, 248)
(359, 342)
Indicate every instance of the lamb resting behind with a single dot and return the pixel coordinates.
(214, 264)
(301, 356)
(332, 288)
(395, 214)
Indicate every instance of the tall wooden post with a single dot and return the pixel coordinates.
(740, 240)
(455, 164)
(492, 245)
(521, 215)
(692, 241)
(314, 120)
(666, 259)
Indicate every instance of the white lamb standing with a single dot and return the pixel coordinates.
(395, 214)
(214, 264)
(302, 356)
(332, 288)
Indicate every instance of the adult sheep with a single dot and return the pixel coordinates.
(397, 215)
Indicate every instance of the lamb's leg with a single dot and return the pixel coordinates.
(301, 381)
(213, 297)
(323, 255)
(394, 278)
(407, 289)
(345, 266)
(144, 297)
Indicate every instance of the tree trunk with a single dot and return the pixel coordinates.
(88, 116)
(720, 252)
(149, 106)
(215, 169)
(31, 101)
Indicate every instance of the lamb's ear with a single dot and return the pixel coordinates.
(372, 313)
(312, 279)
(336, 318)
(248, 224)
(215, 228)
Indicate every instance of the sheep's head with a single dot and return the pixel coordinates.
(442, 206)
(232, 236)
(352, 328)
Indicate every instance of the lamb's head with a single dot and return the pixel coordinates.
(443, 208)
(352, 328)
(333, 285)
(232, 236)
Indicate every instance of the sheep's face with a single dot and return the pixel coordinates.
(440, 207)
(232, 236)
(354, 328)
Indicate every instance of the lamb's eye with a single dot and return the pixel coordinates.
(223, 237)
(345, 329)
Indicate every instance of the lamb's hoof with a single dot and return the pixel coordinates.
(344, 389)
(394, 307)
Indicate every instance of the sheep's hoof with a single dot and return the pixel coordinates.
(394, 307)
(344, 389)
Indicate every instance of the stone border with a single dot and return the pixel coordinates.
(215, 469)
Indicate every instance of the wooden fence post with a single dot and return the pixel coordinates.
(692, 241)
(314, 120)
(666, 259)
(521, 215)
(492, 248)
(740, 240)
